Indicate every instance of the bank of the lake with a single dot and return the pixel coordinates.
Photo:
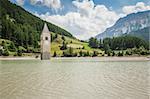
(108, 58)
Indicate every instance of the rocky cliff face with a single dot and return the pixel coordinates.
(130, 23)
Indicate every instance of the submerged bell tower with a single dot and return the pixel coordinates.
(45, 43)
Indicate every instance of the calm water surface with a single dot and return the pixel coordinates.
(83, 78)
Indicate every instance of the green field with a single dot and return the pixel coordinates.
(56, 44)
(77, 46)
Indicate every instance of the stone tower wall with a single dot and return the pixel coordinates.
(45, 43)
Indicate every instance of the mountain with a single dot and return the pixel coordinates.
(135, 24)
(142, 33)
(22, 27)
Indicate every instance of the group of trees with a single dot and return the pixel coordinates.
(70, 52)
(10, 47)
(109, 45)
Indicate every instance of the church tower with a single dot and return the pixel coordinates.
(45, 43)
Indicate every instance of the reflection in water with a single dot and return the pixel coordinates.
(73, 79)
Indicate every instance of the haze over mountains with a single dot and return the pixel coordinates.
(135, 24)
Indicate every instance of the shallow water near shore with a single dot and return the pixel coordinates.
(74, 78)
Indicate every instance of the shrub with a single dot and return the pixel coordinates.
(3, 43)
(109, 53)
(69, 53)
(22, 49)
(80, 53)
(30, 49)
(6, 52)
(120, 53)
(128, 52)
(12, 47)
(55, 54)
(95, 53)
(113, 53)
(15, 54)
(63, 38)
(64, 46)
(143, 52)
(87, 53)
(83, 47)
(1, 52)
(19, 52)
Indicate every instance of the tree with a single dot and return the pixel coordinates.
(124, 42)
(128, 52)
(106, 48)
(100, 44)
(95, 53)
(81, 53)
(1, 52)
(83, 47)
(6, 52)
(19, 52)
(63, 38)
(3, 43)
(12, 47)
(93, 42)
(109, 53)
(64, 46)
(56, 35)
(113, 53)
(69, 53)
(120, 53)
(87, 53)
(52, 37)
(143, 51)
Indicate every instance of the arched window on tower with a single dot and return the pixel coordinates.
(46, 38)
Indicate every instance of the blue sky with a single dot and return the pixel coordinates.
(83, 18)
(115, 5)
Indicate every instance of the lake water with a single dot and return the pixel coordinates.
(77, 78)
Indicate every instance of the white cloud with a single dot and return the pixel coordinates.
(90, 19)
(55, 4)
(20, 2)
(87, 22)
(85, 7)
(140, 6)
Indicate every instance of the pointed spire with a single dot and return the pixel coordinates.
(45, 29)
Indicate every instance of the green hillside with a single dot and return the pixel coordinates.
(76, 45)
(22, 27)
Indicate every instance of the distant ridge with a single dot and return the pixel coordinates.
(135, 24)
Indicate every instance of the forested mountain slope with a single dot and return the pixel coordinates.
(22, 27)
